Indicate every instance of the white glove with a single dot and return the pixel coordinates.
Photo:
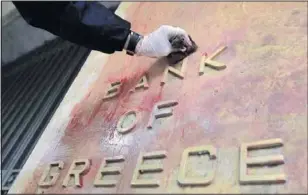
(156, 44)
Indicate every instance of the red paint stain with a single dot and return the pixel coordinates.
(81, 181)
(73, 123)
(128, 82)
(75, 115)
(148, 102)
(84, 112)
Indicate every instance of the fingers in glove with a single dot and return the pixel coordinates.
(178, 43)
(179, 32)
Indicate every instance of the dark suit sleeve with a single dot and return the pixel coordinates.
(85, 23)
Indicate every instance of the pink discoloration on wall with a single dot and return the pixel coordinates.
(262, 94)
(148, 102)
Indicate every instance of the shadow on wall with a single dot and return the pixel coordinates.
(19, 38)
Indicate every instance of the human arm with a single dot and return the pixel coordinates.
(89, 24)
(92, 25)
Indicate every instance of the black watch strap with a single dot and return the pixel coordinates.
(134, 39)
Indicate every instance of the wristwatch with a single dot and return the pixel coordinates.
(131, 43)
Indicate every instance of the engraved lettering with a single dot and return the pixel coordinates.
(103, 170)
(127, 129)
(174, 71)
(113, 90)
(183, 179)
(48, 174)
(161, 110)
(210, 62)
(145, 168)
(76, 173)
(143, 83)
(266, 160)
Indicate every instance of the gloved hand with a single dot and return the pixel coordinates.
(156, 44)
